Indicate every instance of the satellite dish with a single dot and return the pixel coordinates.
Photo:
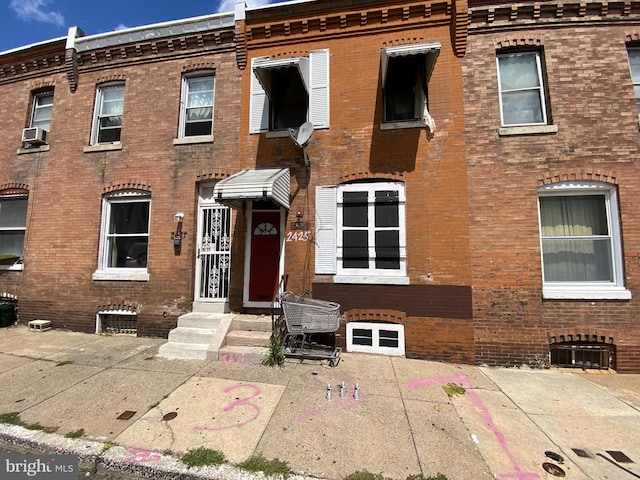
(301, 136)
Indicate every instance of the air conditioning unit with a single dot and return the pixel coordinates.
(34, 136)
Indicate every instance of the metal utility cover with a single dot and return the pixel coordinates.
(126, 415)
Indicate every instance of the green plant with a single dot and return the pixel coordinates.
(452, 389)
(13, 418)
(202, 456)
(275, 353)
(64, 362)
(258, 463)
(439, 476)
(77, 434)
(364, 475)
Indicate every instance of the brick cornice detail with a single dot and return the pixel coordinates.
(383, 316)
(129, 185)
(589, 335)
(459, 27)
(125, 305)
(71, 67)
(367, 175)
(241, 44)
(577, 175)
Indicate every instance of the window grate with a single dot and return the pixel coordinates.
(118, 323)
(584, 356)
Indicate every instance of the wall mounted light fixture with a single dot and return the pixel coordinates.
(179, 234)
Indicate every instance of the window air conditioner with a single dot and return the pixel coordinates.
(34, 136)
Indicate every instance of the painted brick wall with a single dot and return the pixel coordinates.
(593, 105)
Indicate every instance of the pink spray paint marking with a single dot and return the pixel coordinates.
(239, 403)
(486, 417)
(138, 456)
(233, 358)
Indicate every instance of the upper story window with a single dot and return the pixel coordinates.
(634, 65)
(285, 93)
(196, 112)
(406, 70)
(13, 221)
(107, 117)
(41, 111)
(581, 241)
(361, 232)
(522, 92)
(124, 237)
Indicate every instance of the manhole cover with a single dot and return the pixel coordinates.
(170, 416)
(553, 469)
(554, 456)
(581, 453)
(126, 415)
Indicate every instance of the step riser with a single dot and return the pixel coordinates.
(252, 325)
(242, 355)
(199, 321)
(249, 339)
(182, 335)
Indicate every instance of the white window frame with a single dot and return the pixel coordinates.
(614, 290)
(314, 72)
(19, 264)
(97, 111)
(45, 122)
(376, 348)
(329, 217)
(635, 79)
(540, 88)
(104, 271)
(186, 80)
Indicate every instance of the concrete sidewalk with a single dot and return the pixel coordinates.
(401, 422)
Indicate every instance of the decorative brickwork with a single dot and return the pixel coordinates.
(196, 66)
(124, 305)
(590, 336)
(129, 185)
(576, 176)
(366, 175)
(14, 189)
(111, 77)
(384, 316)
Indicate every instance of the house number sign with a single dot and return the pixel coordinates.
(298, 236)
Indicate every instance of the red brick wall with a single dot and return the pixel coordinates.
(593, 106)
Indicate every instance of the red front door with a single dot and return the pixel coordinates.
(264, 266)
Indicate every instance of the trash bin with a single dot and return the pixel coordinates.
(7, 314)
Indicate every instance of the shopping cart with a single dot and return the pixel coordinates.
(303, 317)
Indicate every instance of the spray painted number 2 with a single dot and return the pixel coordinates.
(299, 236)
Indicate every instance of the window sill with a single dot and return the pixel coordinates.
(40, 148)
(193, 140)
(102, 147)
(372, 280)
(126, 276)
(16, 267)
(528, 130)
(277, 133)
(613, 293)
(401, 125)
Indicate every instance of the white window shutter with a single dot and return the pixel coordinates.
(319, 91)
(326, 254)
(259, 108)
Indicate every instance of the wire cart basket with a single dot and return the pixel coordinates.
(303, 317)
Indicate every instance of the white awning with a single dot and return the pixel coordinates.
(431, 50)
(254, 184)
(263, 67)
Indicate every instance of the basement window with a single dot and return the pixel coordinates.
(370, 337)
(116, 322)
(582, 355)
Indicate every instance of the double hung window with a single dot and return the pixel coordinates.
(107, 121)
(634, 65)
(41, 112)
(13, 220)
(196, 114)
(522, 92)
(580, 241)
(125, 234)
(361, 232)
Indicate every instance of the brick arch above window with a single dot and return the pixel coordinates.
(367, 175)
(596, 175)
(42, 84)
(384, 316)
(199, 66)
(118, 306)
(138, 185)
(112, 77)
(589, 335)
(14, 189)
(213, 175)
(519, 42)
(632, 38)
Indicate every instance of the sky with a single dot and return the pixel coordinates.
(25, 22)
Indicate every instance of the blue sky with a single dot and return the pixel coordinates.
(24, 22)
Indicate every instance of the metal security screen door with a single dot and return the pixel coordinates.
(213, 251)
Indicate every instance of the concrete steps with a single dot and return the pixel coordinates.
(247, 340)
(198, 336)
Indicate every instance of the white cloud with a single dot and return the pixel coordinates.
(35, 10)
(230, 5)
